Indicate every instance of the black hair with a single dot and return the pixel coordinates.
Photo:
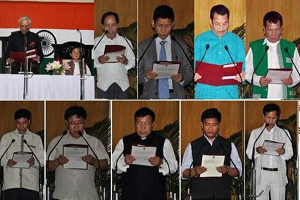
(272, 107)
(211, 113)
(109, 13)
(22, 113)
(219, 9)
(75, 110)
(273, 17)
(164, 12)
(143, 112)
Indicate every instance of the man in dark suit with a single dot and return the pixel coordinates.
(22, 41)
(163, 48)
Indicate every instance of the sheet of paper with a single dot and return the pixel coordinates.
(272, 146)
(277, 74)
(142, 154)
(228, 77)
(165, 69)
(21, 159)
(211, 162)
(74, 155)
(114, 51)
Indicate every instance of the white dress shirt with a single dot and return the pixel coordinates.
(17, 177)
(167, 152)
(109, 73)
(188, 158)
(275, 91)
(77, 70)
(73, 184)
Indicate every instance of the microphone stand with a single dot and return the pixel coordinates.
(154, 36)
(82, 68)
(115, 193)
(187, 57)
(170, 180)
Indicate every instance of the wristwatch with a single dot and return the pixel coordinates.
(227, 169)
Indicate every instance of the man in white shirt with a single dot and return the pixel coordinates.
(112, 77)
(21, 183)
(272, 52)
(141, 182)
(75, 64)
(270, 169)
(76, 184)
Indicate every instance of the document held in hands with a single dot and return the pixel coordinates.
(277, 74)
(21, 158)
(142, 154)
(271, 147)
(211, 162)
(74, 152)
(114, 51)
(165, 69)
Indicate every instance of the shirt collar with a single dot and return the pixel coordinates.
(16, 132)
(211, 142)
(117, 37)
(266, 41)
(168, 39)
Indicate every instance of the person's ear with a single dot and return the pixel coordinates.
(152, 24)
(210, 23)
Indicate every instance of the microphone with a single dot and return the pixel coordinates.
(255, 69)
(105, 32)
(290, 57)
(78, 31)
(154, 36)
(187, 57)
(199, 63)
(287, 135)
(64, 133)
(227, 49)
(33, 153)
(120, 34)
(253, 149)
(12, 141)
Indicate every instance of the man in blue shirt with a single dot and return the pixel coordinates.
(217, 38)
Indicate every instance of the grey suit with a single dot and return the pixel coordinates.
(150, 90)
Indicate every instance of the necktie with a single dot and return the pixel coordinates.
(163, 84)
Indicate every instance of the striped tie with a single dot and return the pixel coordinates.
(163, 84)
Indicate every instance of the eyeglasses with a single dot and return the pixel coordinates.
(75, 124)
(143, 123)
(218, 26)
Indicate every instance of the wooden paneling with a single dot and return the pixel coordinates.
(126, 9)
(166, 112)
(8, 109)
(256, 9)
(183, 10)
(202, 13)
(55, 110)
(232, 118)
(254, 112)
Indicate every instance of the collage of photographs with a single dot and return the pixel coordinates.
(149, 99)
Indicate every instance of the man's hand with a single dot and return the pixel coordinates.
(222, 169)
(155, 161)
(62, 160)
(238, 78)
(36, 59)
(30, 161)
(89, 159)
(122, 59)
(199, 170)
(129, 159)
(281, 151)
(197, 77)
(287, 81)
(177, 77)
(150, 74)
(103, 59)
(11, 162)
(9, 60)
(264, 81)
(261, 150)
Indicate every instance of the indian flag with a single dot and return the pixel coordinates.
(60, 19)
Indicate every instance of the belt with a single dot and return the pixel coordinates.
(270, 169)
(171, 90)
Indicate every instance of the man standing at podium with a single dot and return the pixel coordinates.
(112, 78)
(278, 56)
(163, 47)
(213, 43)
(22, 41)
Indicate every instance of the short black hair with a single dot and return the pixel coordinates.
(143, 112)
(109, 13)
(22, 113)
(272, 107)
(211, 113)
(219, 9)
(164, 12)
(273, 17)
(75, 110)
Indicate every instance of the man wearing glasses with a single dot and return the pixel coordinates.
(213, 43)
(21, 183)
(74, 183)
(140, 182)
(278, 56)
(112, 79)
(22, 41)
